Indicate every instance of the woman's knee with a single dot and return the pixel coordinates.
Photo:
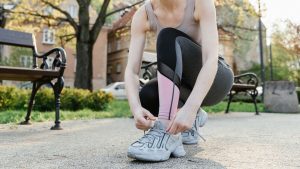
(165, 44)
(166, 33)
(221, 86)
(166, 52)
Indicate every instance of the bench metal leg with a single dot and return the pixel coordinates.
(255, 105)
(35, 88)
(229, 101)
(57, 88)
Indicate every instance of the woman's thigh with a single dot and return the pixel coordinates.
(192, 64)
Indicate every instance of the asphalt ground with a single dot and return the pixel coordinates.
(236, 140)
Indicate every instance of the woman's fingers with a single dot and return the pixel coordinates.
(143, 123)
(142, 126)
(181, 128)
(174, 129)
(170, 124)
(149, 115)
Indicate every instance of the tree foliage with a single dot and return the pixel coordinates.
(286, 51)
(83, 28)
(239, 19)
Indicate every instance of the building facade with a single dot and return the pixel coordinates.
(118, 48)
(46, 40)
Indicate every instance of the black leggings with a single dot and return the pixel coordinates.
(179, 58)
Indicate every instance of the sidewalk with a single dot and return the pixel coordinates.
(237, 140)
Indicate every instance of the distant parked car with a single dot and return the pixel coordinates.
(260, 90)
(117, 89)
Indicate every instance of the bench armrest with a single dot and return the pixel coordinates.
(59, 60)
(148, 65)
(148, 74)
(246, 78)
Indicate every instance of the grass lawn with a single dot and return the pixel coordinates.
(115, 109)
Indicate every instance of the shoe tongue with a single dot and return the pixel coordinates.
(159, 125)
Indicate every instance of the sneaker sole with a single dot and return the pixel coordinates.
(177, 153)
(190, 142)
(143, 157)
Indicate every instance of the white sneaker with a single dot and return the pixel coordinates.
(156, 145)
(192, 136)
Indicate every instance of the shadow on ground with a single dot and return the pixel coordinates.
(189, 161)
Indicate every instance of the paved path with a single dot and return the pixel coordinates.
(238, 140)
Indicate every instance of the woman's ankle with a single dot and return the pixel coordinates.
(164, 122)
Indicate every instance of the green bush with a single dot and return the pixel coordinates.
(98, 100)
(21, 99)
(44, 100)
(13, 98)
(74, 99)
(71, 99)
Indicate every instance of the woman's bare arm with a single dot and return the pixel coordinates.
(209, 37)
(139, 27)
(210, 40)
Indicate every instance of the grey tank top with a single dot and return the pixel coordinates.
(188, 24)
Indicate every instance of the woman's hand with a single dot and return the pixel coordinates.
(143, 119)
(183, 120)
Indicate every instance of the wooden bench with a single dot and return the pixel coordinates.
(38, 75)
(246, 83)
(149, 73)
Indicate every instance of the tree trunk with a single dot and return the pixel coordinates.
(84, 50)
(84, 67)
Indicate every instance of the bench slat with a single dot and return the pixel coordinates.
(14, 38)
(239, 87)
(25, 74)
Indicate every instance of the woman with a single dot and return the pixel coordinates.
(188, 76)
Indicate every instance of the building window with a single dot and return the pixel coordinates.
(118, 68)
(48, 36)
(72, 10)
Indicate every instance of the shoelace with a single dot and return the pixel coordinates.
(199, 134)
(194, 130)
(147, 136)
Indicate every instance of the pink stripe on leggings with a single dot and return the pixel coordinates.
(168, 100)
